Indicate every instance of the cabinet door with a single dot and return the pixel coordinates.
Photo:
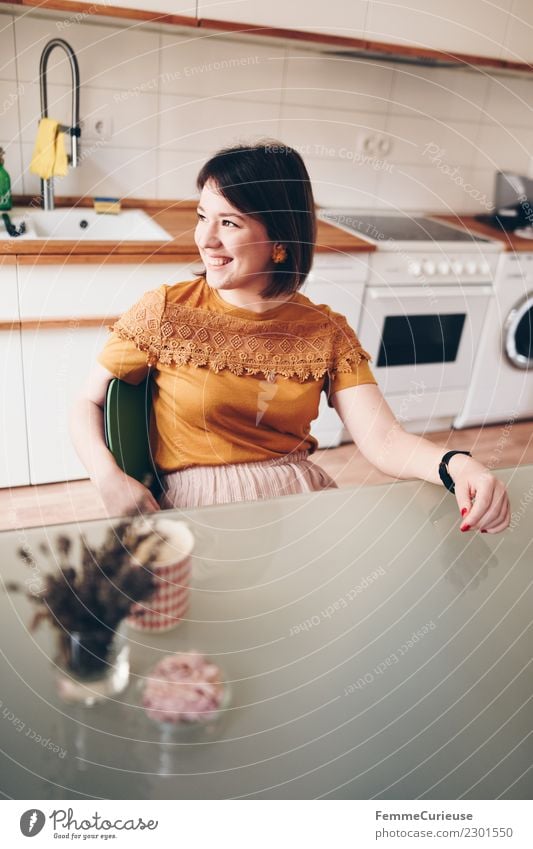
(172, 7)
(338, 290)
(59, 352)
(14, 469)
(56, 362)
(338, 17)
(474, 27)
(518, 46)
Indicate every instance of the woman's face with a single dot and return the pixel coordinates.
(234, 247)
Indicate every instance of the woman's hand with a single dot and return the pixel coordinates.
(125, 496)
(490, 511)
(122, 495)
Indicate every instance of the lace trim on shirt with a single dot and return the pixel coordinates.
(176, 334)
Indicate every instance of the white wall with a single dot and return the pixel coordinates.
(172, 98)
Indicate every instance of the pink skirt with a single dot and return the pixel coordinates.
(199, 486)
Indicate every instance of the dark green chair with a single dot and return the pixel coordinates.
(127, 429)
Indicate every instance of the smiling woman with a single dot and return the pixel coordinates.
(265, 198)
(239, 359)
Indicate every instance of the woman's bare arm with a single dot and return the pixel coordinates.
(384, 442)
(121, 494)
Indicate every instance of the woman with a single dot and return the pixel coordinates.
(239, 358)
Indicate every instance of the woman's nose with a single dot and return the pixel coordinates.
(207, 235)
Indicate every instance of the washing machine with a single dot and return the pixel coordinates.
(501, 388)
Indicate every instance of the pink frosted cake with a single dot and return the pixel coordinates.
(183, 688)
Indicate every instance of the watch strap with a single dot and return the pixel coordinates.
(443, 469)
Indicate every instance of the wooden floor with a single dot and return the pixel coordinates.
(497, 446)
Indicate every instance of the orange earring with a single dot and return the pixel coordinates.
(279, 253)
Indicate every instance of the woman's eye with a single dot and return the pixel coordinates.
(227, 221)
(200, 216)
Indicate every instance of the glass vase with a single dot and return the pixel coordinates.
(91, 665)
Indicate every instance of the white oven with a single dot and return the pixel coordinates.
(427, 294)
(423, 344)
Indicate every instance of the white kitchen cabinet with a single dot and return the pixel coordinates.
(475, 27)
(518, 45)
(14, 470)
(338, 17)
(56, 360)
(171, 7)
(338, 282)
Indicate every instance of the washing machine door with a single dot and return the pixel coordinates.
(518, 334)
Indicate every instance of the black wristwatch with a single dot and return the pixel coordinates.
(443, 469)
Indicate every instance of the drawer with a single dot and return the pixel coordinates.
(77, 291)
(9, 304)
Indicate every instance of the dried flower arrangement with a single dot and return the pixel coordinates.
(92, 599)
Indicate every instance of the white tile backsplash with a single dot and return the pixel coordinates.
(209, 66)
(170, 99)
(132, 117)
(504, 148)
(343, 182)
(207, 124)
(509, 101)
(13, 164)
(331, 133)
(422, 187)
(8, 69)
(439, 93)
(103, 171)
(479, 200)
(108, 56)
(332, 82)
(10, 95)
(177, 172)
(415, 141)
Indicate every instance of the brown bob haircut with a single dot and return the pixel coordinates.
(269, 181)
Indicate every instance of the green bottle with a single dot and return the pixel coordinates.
(5, 184)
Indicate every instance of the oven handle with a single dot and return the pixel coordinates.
(416, 292)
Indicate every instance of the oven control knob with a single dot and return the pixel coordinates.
(443, 268)
(415, 269)
(429, 267)
(484, 268)
(471, 267)
(457, 268)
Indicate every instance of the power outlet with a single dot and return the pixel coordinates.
(98, 127)
(374, 144)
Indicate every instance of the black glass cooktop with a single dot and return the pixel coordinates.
(399, 228)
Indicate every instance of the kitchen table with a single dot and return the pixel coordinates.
(373, 650)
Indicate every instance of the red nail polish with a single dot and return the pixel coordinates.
(465, 528)
(464, 511)
(483, 531)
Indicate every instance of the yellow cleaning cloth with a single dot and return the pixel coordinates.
(49, 158)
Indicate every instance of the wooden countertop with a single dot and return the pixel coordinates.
(181, 223)
(511, 243)
(177, 218)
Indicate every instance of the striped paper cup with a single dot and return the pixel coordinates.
(169, 603)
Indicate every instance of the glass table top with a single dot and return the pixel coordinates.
(373, 650)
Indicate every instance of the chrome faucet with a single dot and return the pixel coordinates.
(74, 131)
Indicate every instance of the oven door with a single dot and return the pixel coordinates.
(427, 336)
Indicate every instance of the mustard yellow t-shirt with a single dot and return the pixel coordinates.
(231, 385)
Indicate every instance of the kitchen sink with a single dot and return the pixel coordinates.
(87, 225)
